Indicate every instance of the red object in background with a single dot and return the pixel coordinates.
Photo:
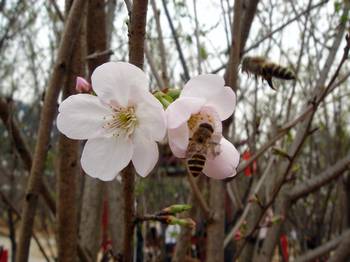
(284, 247)
(238, 235)
(4, 255)
(248, 171)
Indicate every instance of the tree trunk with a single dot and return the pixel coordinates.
(216, 229)
(91, 213)
(116, 215)
(65, 51)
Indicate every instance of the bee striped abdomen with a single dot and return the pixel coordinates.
(195, 164)
(278, 71)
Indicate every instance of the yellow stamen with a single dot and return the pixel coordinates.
(122, 121)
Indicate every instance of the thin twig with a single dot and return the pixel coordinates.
(161, 45)
(177, 42)
(198, 195)
(108, 53)
(243, 217)
(267, 36)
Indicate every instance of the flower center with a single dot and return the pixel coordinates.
(121, 121)
(197, 119)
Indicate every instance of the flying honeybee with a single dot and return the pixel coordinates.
(201, 143)
(260, 66)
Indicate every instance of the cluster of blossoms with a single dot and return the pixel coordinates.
(123, 122)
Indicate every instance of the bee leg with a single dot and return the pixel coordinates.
(269, 81)
(195, 174)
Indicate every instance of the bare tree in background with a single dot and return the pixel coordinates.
(290, 198)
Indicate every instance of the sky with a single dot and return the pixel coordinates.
(211, 21)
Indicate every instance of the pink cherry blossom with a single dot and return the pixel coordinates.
(205, 98)
(122, 123)
(82, 86)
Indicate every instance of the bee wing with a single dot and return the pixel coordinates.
(215, 144)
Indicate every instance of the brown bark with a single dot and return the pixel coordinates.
(231, 74)
(116, 215)
(342, 253)
(67, 223)
(71, 31)
(96, 33)
(137, 31)
(313, 184)
(23, 150)
(247, 21)
(91, 215)
(162, 52)
(128, 180)
(91, 212)
(216, 229)
(320, 251)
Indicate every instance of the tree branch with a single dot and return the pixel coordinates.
(137, 31)
(177, 42)
(313, 184)
(313, 254)
(65, 50)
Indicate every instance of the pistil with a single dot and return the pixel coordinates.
(121, 121)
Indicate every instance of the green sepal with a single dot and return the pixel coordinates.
(163, 98)
(173, 93)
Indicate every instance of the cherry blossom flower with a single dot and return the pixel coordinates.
(205, 98)
(121, 123)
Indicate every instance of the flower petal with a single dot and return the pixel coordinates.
(181, 110)
(203, 86)
(116, 80)
(224, 102)
(145, 155)
(81, 117)
(211, 88)
(224, 165)
(104, 158)
(151, 118)
(178, 140)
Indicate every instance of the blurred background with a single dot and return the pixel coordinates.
(290, 200)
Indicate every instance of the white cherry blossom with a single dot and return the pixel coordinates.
(122, 123)
(205, 98)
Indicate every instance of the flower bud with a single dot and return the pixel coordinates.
(276, 219)
(187, 222)
(174, 209)
(82, 86)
